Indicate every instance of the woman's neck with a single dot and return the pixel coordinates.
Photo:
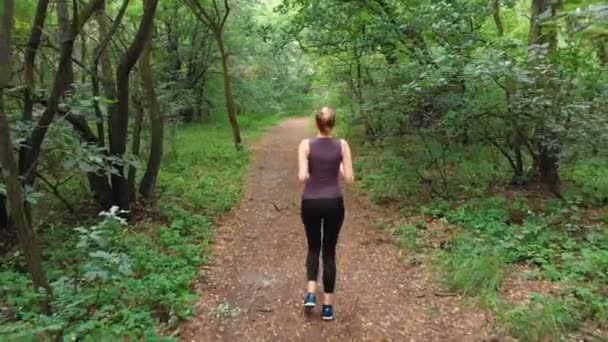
(324, 135)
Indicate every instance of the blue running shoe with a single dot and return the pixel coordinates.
(328, 312)
(310, 302)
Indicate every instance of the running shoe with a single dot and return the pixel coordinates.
(310, 302)
(328, 312)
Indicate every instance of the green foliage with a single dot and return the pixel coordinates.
(111, 281)
(589, 180)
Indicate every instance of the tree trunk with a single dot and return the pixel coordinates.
(547, 143)
(65, 34)
(228, 92)
(148, 182)
(139, 117)
(119, 118)
(107, 74)
(10, 173)
(173, 40)
(28, 70)
(3, 213)
(548, 164)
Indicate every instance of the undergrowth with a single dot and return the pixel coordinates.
(500, 226)
(111, 280)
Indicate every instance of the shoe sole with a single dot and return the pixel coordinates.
(310, 305)
(328, 318)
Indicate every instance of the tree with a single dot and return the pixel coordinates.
(119, 118)
(216, 22)
(148, 182)
(15, 198)
(544, 36)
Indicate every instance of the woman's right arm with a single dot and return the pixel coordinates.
(347, 163)
(303, 161)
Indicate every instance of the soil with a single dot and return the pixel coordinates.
(254, 288)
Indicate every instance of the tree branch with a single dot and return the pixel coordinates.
(54, 189)
(225, 14)
(115, 25)
(502, 151)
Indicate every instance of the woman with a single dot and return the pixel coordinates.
(321, 161)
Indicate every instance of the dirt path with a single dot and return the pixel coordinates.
(255, 287)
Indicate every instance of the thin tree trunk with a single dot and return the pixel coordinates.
(28, 70)
(107, 74)
(83, 56)
(119, 119)
(101, 55)
(65, 34)
(148, 181)
(497, 20)
(173, 40)
(3, 213)
(136, 143)
(10, 173)
(228, 92)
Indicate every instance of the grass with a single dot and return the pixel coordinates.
(471, 268)
(112, 281)
(407, 237)
(544, 319)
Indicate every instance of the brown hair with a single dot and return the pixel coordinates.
(325, 119)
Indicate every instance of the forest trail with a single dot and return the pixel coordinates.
(254, 288)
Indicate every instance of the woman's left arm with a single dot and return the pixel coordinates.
(347, 163)
(303, 161)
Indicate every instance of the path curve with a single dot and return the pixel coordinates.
(253, 290)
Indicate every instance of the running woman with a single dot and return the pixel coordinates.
(322, 160)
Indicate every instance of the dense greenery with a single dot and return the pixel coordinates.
(492, 114)
(109, 279)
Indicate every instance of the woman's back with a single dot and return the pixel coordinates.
(324, 159)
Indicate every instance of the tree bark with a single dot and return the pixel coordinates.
(107, 73)
(15, 199)
(101, 56)
(28, 69)
(4, 224)
(136, 143)
(238, 143)
(548, 144)
(497, 20)
(119, 118)
(147, 185)
(65, 34)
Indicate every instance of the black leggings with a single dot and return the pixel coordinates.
(329, 213)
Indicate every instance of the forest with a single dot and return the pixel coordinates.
(128, 129)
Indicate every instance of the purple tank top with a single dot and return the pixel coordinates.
(324, 159)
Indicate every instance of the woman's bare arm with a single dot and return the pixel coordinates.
(347, 163)
(303, 161)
